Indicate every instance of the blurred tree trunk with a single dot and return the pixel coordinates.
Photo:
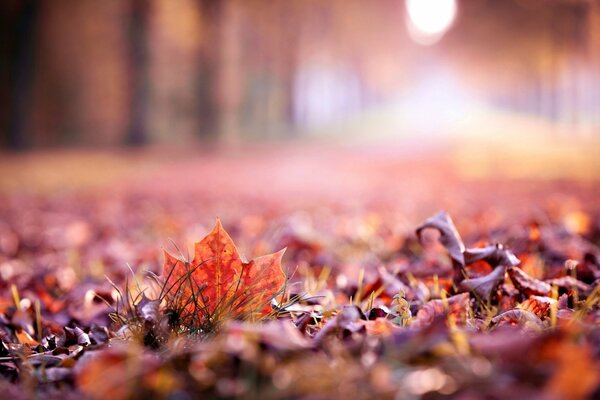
(228, 90)
(289, 50)
(21, 73)
(207, 105)
(138, 36)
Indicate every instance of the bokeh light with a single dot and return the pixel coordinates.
(428, 20)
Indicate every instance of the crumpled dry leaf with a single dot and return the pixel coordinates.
(484, 286)
(495, 255)
(528, 284)
(148, 309)
(75, 336)
(449, 236)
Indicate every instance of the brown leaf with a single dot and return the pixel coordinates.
(148, 309)
(484, 286)
(528, 284)
(450, 239)
(495, 255)
(75, 336)
(449, 236)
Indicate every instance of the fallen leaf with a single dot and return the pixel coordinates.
(495, 255)
(148, 309)
(24, 338)
(528, 284)
(75, 336)
(484, 286)
(216, 283)
(449, 236)
(539, 305)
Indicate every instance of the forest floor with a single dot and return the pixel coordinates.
(504, 305)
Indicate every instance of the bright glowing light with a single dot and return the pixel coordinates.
(428, 20)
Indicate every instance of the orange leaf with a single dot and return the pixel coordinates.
(539, 305)
(216, 283)
(23, 337)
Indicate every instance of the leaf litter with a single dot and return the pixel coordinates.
(360, 309)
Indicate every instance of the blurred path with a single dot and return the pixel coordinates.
(415, 179)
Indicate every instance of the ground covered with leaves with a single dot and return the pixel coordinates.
(323, 278)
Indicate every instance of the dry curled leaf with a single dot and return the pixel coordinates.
(75, 336)
(216, 283)
(528, 284)
(484, 286)
(449, 236)
(148, 309)
(495, 255)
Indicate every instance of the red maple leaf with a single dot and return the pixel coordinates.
(218, 284)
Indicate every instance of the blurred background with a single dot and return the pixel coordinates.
(118, 72)
(125, 123)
